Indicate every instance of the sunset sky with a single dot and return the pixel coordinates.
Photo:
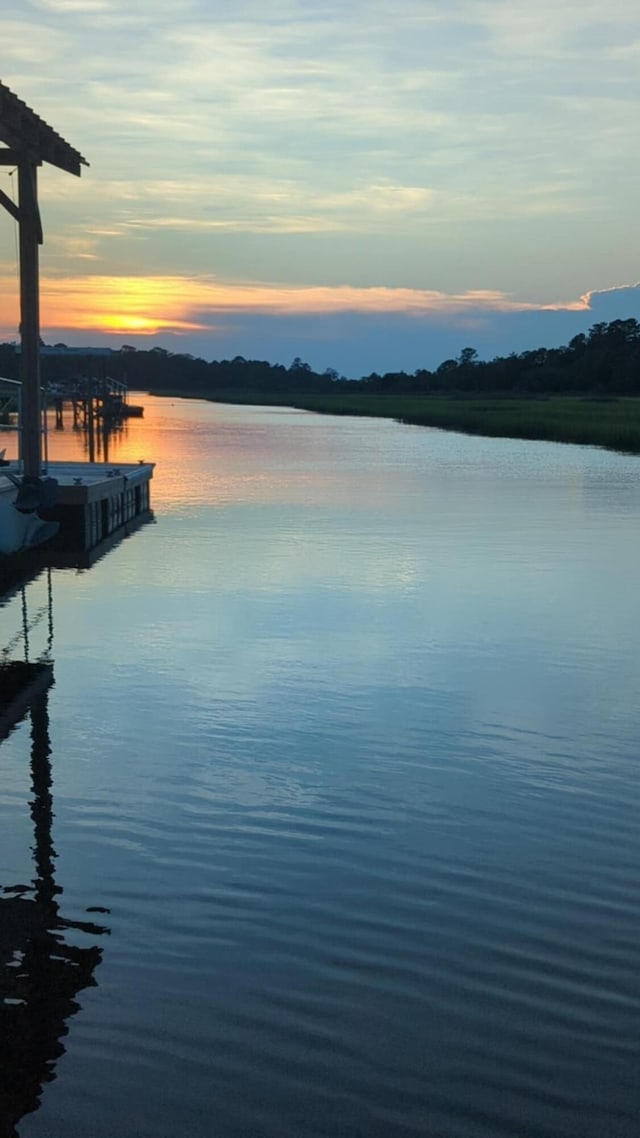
(365, 185)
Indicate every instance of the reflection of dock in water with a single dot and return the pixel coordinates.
(98, 402)
(20, 684)
(42, 971)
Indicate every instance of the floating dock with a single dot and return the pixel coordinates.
(95, 500)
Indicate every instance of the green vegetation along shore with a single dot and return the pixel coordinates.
(610, 423)
(614, 424)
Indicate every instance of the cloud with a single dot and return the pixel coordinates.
(360, 342)
(104, 303)
(548, 30)
(31, 45)
(355, 329)
(75, 6)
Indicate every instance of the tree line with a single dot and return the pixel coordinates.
(604, 362)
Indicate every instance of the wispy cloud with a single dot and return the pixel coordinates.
(152, 304)
(74, 6)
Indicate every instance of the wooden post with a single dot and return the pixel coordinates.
(30, 238)
(91, 418)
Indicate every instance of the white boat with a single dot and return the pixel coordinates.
(21, 526)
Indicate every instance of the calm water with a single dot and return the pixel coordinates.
(345, 793)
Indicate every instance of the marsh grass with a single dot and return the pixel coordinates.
(614, 424)
(611, 423)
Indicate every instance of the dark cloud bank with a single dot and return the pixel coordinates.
(357, 344)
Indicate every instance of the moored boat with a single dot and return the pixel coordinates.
(21, 526)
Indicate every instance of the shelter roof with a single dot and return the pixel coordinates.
(24, 132)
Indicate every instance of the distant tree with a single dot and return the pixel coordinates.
(467, 357)
(446, 367)
(537, 357)
(623, 331)
(299, 365)
(598, 332)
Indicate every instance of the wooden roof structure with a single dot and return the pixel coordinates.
(24, 132)
(28, 143)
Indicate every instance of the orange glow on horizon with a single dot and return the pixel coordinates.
(143, 306)
(149, 305)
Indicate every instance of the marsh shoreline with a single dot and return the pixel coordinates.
(613, 423)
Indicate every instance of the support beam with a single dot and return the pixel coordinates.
(10, 206)
(30, 235)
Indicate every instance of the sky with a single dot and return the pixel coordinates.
(370, 187)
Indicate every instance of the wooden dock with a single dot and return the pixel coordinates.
(94, 501)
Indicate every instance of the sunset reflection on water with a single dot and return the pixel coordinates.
(263, 455)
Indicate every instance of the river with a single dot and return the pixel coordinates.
(344, 801)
